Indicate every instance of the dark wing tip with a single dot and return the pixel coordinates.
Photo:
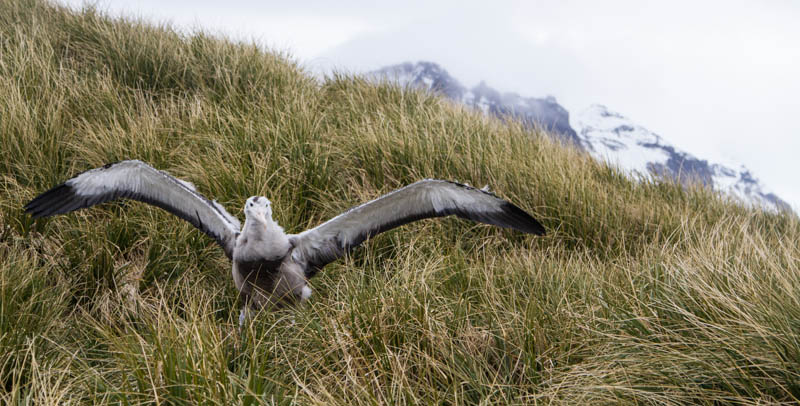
(520, 220)
(58, 200)
(512, 216)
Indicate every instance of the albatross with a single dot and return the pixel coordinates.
(271, 267)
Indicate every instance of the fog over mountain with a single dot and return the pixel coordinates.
(605, 134)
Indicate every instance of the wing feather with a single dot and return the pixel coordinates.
(137, 180)
(424, 199)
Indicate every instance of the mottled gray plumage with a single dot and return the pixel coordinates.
(271, 267)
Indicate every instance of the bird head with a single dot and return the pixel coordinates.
(258, 206)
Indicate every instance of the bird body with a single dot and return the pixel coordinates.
(270, 267)
(263, 270)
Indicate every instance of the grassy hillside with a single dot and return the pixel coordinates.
(641, 293)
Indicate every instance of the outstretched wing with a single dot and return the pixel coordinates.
(138, 181)
(424, 199)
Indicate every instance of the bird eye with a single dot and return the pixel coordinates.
(251, 204)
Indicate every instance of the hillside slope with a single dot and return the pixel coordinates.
(641, 292)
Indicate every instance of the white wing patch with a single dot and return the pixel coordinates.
(188, 184)
(228, 216)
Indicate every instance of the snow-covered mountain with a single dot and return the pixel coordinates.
(611, 137)
(605, 134)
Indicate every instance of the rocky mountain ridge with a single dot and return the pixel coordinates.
(544, 112)
(609, 136)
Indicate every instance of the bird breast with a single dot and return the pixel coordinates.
(266, 250)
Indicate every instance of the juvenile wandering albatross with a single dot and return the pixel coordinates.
(271, 267)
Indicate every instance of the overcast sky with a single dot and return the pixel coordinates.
(718, 79)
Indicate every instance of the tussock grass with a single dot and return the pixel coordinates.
(643, 292)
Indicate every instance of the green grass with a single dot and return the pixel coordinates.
(643, 292)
